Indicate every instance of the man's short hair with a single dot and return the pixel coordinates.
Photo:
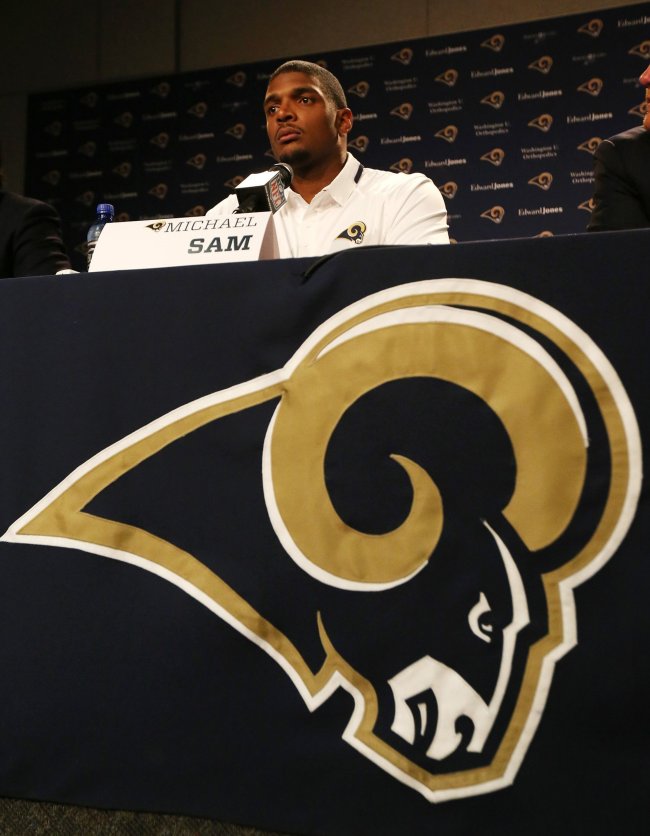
(329, 83)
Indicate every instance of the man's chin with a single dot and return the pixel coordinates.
(294, 157)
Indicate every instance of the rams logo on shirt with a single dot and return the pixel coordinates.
(354, 232)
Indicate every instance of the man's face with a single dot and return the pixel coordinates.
(644, 78)
(304, 127)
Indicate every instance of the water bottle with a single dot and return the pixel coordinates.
(105, 213)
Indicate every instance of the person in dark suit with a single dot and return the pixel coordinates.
(622, 176)
(30, 237)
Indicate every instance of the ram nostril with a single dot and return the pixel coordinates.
(424, 708)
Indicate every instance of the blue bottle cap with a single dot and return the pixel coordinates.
(105, 209)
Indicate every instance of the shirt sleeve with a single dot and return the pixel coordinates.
(38, 245)
(419, 213)
(617, 202)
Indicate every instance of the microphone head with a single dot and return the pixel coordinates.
(286, 173)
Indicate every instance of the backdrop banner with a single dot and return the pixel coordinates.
(504, 121)
(344, 546)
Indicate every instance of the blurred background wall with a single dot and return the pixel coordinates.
(74, 43)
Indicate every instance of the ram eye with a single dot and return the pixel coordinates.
(479, 619)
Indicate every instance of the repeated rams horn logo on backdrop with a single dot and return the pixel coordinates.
(123, 169)
(162, 89)
(590, 145)
(545, 233)
(159, 190)
(494, 99)
(496, 156)
(449, 77)
(354, 232)
(587, 205)
(448, 133)
(404, 56)
(639, 110)
(542, 65)
(54, 128)
(87, 199)
(494, 42)
(88, 149)
(642, 50)
(449, 189)
(238, 131)
(509, 509)
(52, 177)
(359, 89)
(237, 79)
(89, 100)
(593, 28)
(592, 87)
(543, 122)
(233, 182)
(359, 143)
(124, 120)
(199, 109)
(160, 140)
(404, 165)
(404, 110)
(195, 211)
(495, 214)
(542, 181)
(197, 161)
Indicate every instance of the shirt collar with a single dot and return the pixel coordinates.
(343, 184)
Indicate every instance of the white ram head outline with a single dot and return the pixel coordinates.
(59, 519)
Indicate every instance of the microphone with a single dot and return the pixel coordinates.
(264, 192)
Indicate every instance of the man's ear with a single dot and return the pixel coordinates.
(344, 120)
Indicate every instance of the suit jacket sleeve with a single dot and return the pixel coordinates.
(38, 247)
(617, 201)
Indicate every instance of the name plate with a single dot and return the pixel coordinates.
(175, 242)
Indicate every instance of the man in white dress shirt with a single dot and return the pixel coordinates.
(334, 202)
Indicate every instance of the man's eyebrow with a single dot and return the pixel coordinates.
(296, 91)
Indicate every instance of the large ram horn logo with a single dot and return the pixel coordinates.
(446, 461)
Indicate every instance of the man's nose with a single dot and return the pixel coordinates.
(644, 78)
(285, 114)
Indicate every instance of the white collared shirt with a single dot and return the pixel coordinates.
(361, 206)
